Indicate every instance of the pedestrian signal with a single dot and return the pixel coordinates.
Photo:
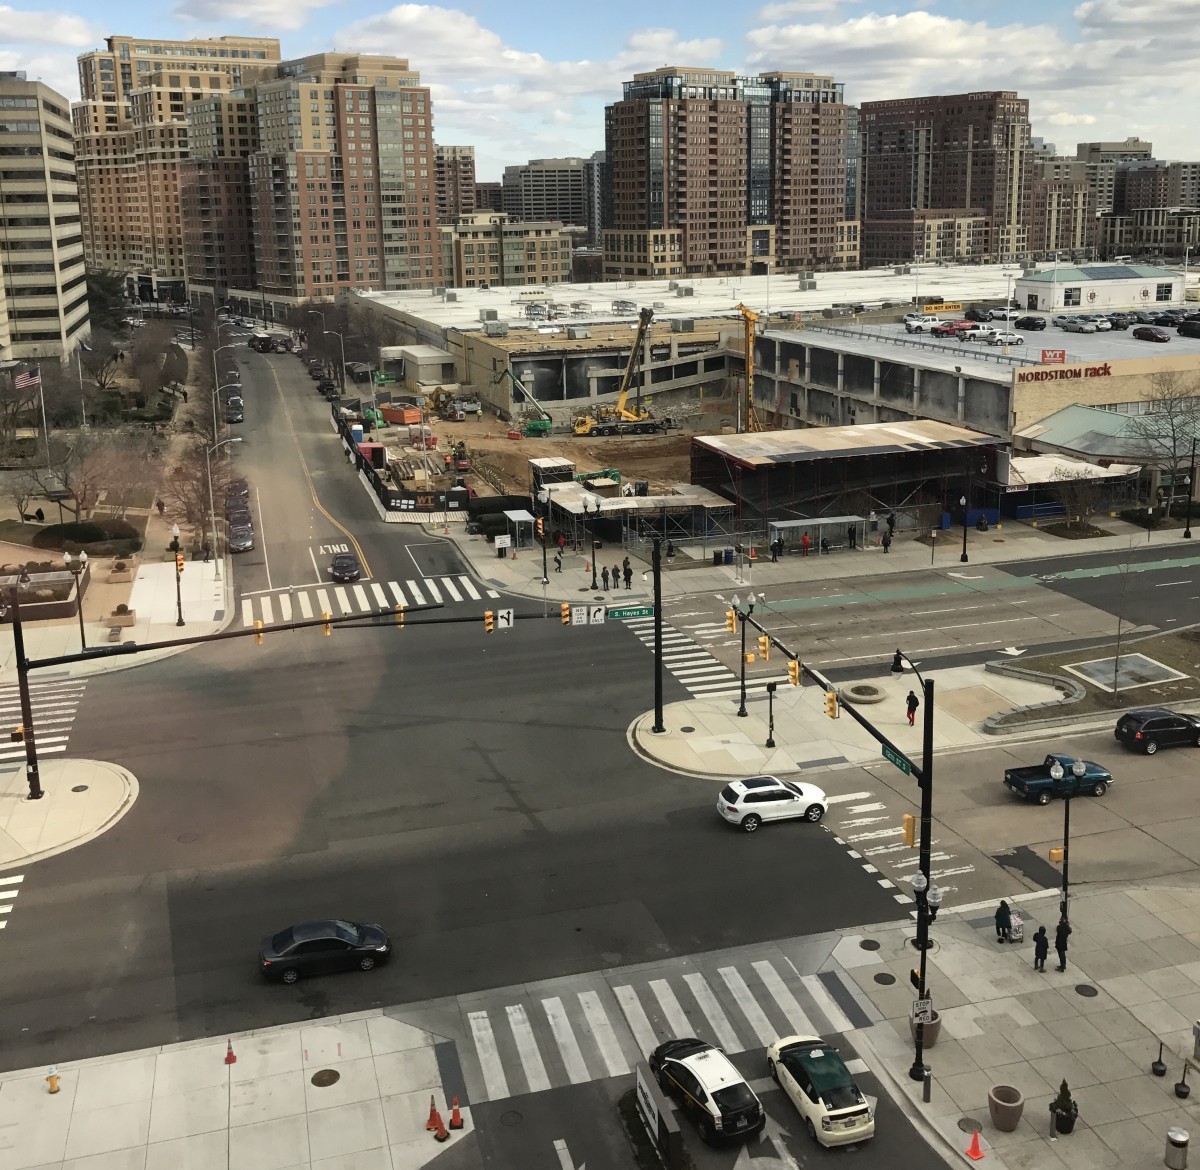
(909, 822)
(565, 610)
(731, 621)
(764, 647)
(327, 628)
(914, 977)
(18, 733)
(258, 634)
(179, 562)
(1056, 853)
(489, 621)
(831, 704)
(398, 610)
(794, 671)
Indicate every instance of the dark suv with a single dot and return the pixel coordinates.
(1030, 322)
(1157, 727)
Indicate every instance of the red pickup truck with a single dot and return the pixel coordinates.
(953, 328)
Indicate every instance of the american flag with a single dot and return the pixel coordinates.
(28, 379)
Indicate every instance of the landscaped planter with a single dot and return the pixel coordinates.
(1005, 1104)
(121, 619)
(121, 576)
(932, 1030)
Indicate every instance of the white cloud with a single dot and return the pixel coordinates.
(267, 15)
(772, 13)
(54, 28)
(57, 70)
(1062, 119)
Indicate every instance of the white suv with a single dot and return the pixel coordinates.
(918, 323)
(747, 803)
(1003, 314)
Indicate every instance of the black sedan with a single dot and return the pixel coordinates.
(1030, 323)
(1156, 727)
(313, 948)
(345, 567)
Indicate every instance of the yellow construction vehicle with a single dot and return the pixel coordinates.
(618, 419)
(749, 319)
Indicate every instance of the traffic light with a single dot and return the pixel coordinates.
(258, 634)
(398, 610)
(489, 621)
(179, 562)
(565, 610)
(327, 628)
(909, 822)
(794, 671)
(914, 977)
(764, 647)
(731, 621)
(541, 528)
(1056, 854)
(831, 704)
(18, 733)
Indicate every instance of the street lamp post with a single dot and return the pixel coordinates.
(771, 714)
(1187, 524)
(32, 776)
(212, 511)
(1078, 770)
(742, 615)
(589, 525)
(77, 566)
(178, 574)
(962, 503)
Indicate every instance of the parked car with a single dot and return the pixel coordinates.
(345, 567)
(1030, 323)
(1189, 327)
(1055, 776)
(817, 1082)
(314, 948)
(949, 328)
(1078, 325)
(1155, 727)
(1120, 320)
(1144, 316)
(1060, 319)
(747, 803)
(1003, 314)
(1004, 337)
(974, 314)
(240, 518)
(919, 322)
(238, 488)
(1165, 319)
(978, 333)
(703, 1082)
(325, 385)
(241, 539)
(234, 414)
(1102, 323)
(1151, 333)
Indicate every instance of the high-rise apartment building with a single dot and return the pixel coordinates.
(547, 188)
(1144, 183)
(455, 181)
(487, 248)
(43, 279)
(1101, 159)
(343, 184)
(952, 157)
(489, 197)
(1060, 218)
(712, 173)
(131, 134)
(598, 193)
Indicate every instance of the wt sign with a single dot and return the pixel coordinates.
(1054, 357)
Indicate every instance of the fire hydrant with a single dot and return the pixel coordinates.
(53, 1078)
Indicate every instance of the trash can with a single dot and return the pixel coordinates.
(1175, 1157)
(729, 556)
(717, 558)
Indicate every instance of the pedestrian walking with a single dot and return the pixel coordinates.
(207, 552)
(1003, 922)
(886, 541)
(558, 561)
(805, 544)
(775, 550)
(852, 536)
(1041, 948)
(160, 506)
(40, 516)
(562, 543)
(911, 703)
(1061, 933)
(628, 574)
(891, 523)
(604, 578)
(616, 576)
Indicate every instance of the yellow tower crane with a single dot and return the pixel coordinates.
(749, 319)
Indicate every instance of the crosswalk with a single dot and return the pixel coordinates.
(591, 1027)
(694, 666)
(10, 887)
(312, 601)
(54, 704)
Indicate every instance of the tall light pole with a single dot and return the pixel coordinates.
(32, 776)
(77, 566)
(928, 895)
(178, 574)
(1057, 772)
(742, 615)
(341, 345)
(589, 525)
(962, 503)
(1187, 524)
(212, 511)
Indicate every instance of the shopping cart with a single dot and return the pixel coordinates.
(1017, 930)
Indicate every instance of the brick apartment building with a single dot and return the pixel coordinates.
(455, 167)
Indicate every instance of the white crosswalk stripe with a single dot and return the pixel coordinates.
(10, 887)
(367, 597)
(55, 704)
(570, 1038)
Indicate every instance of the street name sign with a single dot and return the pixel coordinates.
(900, 761)
(631, 611)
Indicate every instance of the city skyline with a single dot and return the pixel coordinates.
(530, 92)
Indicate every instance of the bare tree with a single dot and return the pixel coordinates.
(1079, 492)
(103, 361)
(129, 469)
(185, 489)
(77, 468)
(1169, 427)
(149, 377)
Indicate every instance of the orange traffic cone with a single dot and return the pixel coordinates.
(441, 1133)
(456, 1121)
(973, 1150)
(230, 1058)
(435, 1120)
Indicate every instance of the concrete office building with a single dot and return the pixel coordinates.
(950, 159)
(712, 174)
(131, 136)
(455, 167)
(489, 196)
(487, 249)
(43, 294)
(1101, 159)
(1151, 231)
(547, 188)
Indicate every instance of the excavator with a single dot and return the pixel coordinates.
(543, 424)
(618, 419)
(753, 422)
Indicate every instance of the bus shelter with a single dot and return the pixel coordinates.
(839, 531)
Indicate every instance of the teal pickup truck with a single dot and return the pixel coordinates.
(1055, 776)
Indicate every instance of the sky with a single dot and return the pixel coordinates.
(521, 81)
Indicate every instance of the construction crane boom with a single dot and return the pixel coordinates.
(645, 316)
(749, 319)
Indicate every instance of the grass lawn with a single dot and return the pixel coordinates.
(16, 532)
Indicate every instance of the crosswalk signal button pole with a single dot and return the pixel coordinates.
(565, 609)
(794, 671)
(831, 704)
(489, 621)
(731, 621)
(909, 824)
(258, 634)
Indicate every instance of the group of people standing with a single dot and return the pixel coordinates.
(624, 569)
(1041, 940)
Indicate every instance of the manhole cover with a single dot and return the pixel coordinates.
(969, 1125)
(324, 1077)
(80, 788)
(869, 944)
(511, 1118)
(884, 979)
(1086, 990)
(687, 730)
(187, 838)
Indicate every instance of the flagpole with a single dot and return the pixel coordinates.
(45, 425)
(82, 404)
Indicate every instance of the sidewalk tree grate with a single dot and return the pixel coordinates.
(324, 1077)
(1086, 990)
(869, 944)
(884, 979)
(970, 1125)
